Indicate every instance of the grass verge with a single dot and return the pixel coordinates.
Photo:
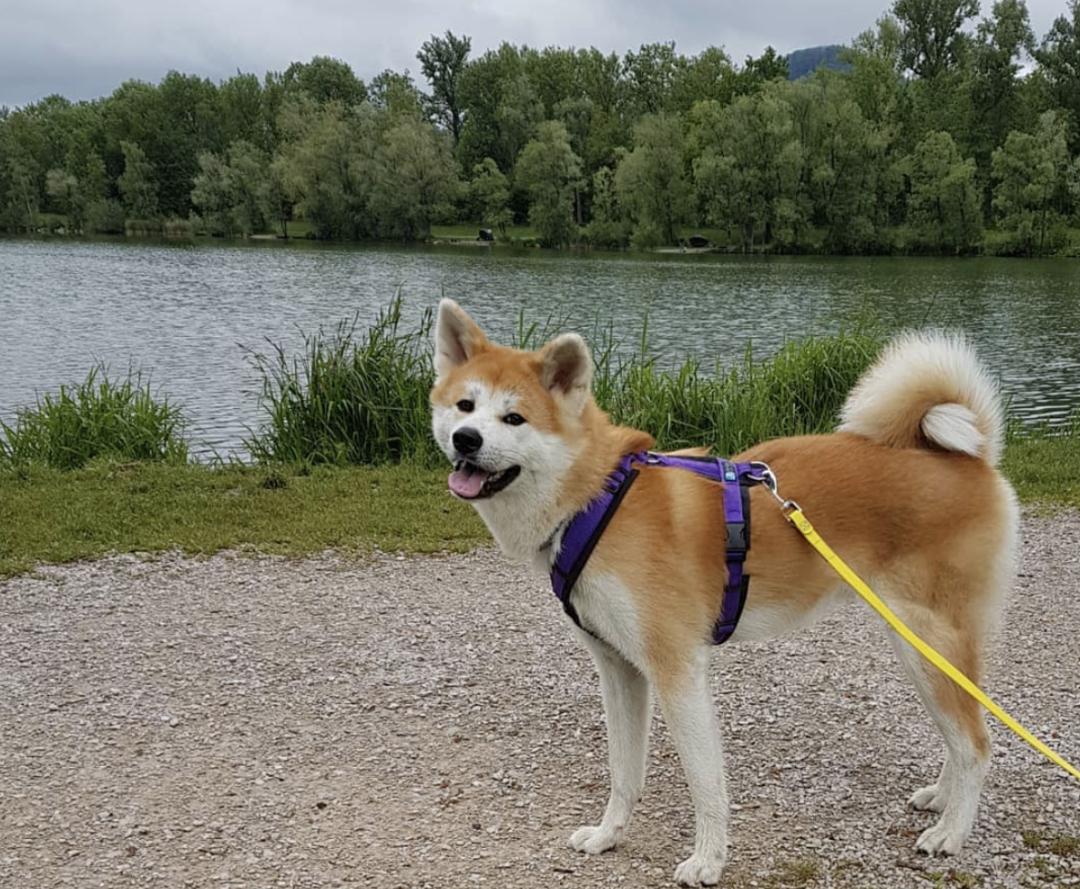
(52, 516)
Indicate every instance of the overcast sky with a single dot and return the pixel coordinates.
(86, 48)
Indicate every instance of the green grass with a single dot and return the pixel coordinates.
(467, 231)
(361, 396)
(1045, 466)
(353, 397)
(98, 417)
(52, 516)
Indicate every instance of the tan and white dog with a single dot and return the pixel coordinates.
(906, 491)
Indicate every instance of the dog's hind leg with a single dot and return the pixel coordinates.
(626, 705)
(960, 721)
(687, 703)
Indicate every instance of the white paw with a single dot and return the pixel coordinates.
(594, 840)
(941, 839)
(928, 799)
(698, 870)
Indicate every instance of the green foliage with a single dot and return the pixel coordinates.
(363, 397)
(651, 180)
(442, 59)
(137, 185)
(97, 418)
(944, 206)
(414, 180)
(550, 172)
(822, 164)
(933, 37)
(233, 193)
(489, 193)
(1031, 173)
(747, 176)
(1059, 64)
(325, 164)
(352, 398)
(608, 227)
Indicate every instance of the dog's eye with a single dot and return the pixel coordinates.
(465, 406)
(514, 419)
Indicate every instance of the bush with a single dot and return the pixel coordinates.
(97, 418)
(105, 217)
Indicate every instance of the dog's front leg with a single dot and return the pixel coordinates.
(626, 705)
(687, 704)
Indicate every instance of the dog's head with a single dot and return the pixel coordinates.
(510, 421)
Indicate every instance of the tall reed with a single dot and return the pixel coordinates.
(96, 418)
(362, 396)
(352, 397)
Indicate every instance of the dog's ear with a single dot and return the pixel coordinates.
(457, 337)
(567, 369)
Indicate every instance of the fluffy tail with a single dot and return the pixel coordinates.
(928, 390)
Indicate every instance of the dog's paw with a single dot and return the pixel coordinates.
(699, 870)
(928, 799)
(941, 839)
(594, 840)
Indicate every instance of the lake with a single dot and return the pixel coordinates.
(186, 314)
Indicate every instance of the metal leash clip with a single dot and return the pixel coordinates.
(767, 477)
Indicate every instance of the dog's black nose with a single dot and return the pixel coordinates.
(467, 441)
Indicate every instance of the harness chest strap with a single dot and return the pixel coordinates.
(586, 528)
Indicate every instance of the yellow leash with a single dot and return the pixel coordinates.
(794, 514)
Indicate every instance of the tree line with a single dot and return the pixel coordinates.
(941, 132)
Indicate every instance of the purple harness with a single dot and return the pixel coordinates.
(585, 529)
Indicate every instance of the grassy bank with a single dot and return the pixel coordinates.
(345, 458)
(55, 516)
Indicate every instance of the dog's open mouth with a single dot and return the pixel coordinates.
(470, 482)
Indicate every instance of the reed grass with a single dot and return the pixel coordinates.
(352, 397)
(100, 417)
(361, 396)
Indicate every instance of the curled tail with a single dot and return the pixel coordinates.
(928, 390)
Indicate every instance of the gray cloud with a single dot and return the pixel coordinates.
(86, 49)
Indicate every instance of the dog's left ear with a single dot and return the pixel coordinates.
(457, 337)
(567, 369)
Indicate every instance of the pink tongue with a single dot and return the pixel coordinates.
(467, 482)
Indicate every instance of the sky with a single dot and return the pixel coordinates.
(83, 49)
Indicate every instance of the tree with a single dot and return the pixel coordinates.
(944, 202)
(323, 166)
(651, 180)
(933, 40)
(137, 184)
(396, 94)
(414, 182)
(325, 79)
(443, 59)
(608, 227)
(1031, 172)
(549, 171)
(747, 179)
(1059, 64)
(63, 189)
(233, 192)
(489, 193)
(1001, 43)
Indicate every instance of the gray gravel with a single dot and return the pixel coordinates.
(240, 721)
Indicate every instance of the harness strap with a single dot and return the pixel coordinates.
(585, 529)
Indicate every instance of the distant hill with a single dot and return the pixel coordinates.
(806, 61)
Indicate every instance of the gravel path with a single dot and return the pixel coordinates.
(262, 722)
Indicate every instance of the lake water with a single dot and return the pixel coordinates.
(186, 314)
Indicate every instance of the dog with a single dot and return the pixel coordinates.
(906, 490)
